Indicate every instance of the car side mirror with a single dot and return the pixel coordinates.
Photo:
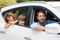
(53, 28)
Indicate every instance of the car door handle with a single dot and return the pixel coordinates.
(2, 32)
(27, 38)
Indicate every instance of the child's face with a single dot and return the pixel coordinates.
(21, 22)
(10, 18)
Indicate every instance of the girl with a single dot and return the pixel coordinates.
(10, 19)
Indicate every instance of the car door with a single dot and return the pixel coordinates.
(21, 32)
(50, 16)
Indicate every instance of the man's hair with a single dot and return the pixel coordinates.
(39, 11)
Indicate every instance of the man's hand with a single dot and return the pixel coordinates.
(40, 28)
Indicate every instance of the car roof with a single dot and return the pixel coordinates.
(54, 3)
(22, 4)
(33, 3)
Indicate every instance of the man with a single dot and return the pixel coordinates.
(41, 17)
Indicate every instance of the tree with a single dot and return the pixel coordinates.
(22, 0)
(34, 0)
(4, 3)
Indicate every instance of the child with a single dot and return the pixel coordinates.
(21, 19)
(10, 19)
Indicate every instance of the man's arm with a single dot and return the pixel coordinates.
(40, 28)
(34, 26)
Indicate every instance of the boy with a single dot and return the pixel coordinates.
(21, 20)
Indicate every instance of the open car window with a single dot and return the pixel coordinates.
(18, 11)
(50, 14)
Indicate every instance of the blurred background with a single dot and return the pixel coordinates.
(4, 3)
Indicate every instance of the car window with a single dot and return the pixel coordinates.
(17, 12)
(50, 15)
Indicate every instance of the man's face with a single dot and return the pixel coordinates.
(41, 17)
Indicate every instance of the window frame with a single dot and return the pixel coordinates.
(48, 11)
(27, 21)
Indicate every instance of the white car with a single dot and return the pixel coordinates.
(16, 32)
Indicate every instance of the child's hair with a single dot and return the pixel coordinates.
(21, 17)
(8, 14)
